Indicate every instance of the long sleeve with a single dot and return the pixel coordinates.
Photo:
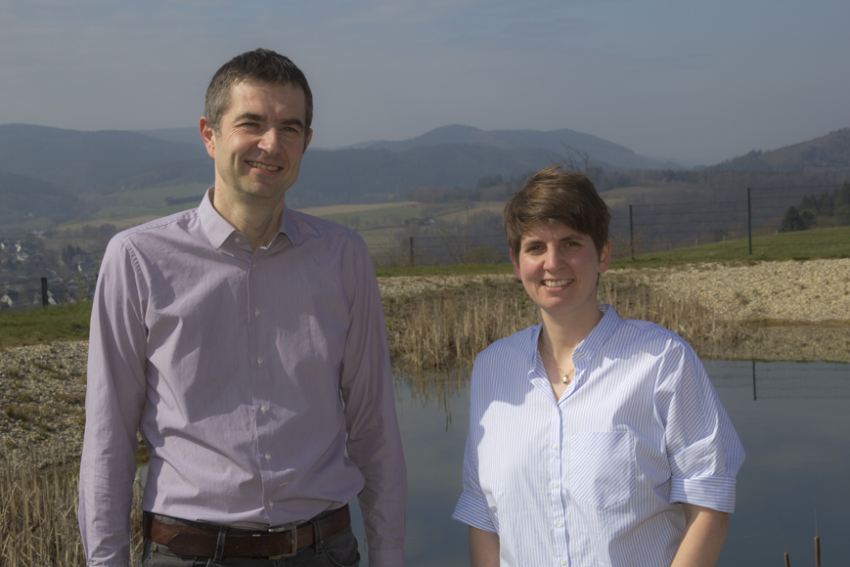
(374, 443)
(115, 394)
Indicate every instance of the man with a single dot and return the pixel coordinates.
(246, 342)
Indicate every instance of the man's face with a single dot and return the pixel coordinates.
(558, 267)
(258, 147)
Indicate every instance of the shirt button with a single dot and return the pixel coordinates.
(555, 484)
(264, 409)
(256, 312)
(259, 360)
(560, 524)
(237, 240)
(254, 266)
(271, 504)
(563, 562)
(578, 354)
(268, 457)
(555, 446)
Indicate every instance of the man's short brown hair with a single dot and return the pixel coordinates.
(262, 66)
(554, 195)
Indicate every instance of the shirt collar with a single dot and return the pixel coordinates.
(218, 230)
(591, 344)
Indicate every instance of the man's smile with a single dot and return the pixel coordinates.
(263, 166)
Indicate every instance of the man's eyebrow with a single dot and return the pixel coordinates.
(249, 116)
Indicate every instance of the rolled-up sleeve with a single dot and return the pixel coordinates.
(115, 396)
(374, 442)
(703, 448)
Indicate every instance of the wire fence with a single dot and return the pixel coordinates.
(752, 221)
(782, 380)
(23, 294)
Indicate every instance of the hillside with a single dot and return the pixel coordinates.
(27, 198)
(86, 161)
(830, 153)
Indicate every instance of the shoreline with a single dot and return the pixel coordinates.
(784, 316)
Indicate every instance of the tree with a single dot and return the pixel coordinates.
(794, 220)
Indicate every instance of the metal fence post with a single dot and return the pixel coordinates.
(411, 251)
(44, 292)
(631, 232)
(750, 220)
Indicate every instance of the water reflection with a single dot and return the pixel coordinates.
(793, 419)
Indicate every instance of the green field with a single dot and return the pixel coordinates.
(143, 202)
(803, 245)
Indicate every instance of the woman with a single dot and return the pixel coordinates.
(592, 440)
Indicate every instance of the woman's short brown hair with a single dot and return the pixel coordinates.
(554, 195)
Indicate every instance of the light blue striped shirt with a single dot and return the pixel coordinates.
(593, 478)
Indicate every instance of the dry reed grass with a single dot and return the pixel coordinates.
(38, 514)
(448, 328)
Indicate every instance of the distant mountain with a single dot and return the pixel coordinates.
(86, 161)
(602, 152)
(827, 154)
(191, 136)
(368, 175)
(23, 198)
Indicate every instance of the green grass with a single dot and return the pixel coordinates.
(803, 245)
(45, 325)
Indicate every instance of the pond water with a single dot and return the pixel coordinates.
(793, 420)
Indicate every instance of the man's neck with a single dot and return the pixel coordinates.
(259, 221)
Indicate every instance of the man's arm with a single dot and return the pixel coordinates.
(374, 442)
(704, 536)
(115, 394)
(483, 548)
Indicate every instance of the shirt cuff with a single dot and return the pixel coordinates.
(715, 492)
(386, 557)
(473, 512)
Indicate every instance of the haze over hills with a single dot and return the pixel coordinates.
(49, 165)
(830, 153)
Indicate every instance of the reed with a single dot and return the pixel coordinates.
(450, 327)
(38, 514)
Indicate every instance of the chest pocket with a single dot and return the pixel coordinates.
(602, 467)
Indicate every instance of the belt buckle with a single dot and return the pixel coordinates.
(293, 540)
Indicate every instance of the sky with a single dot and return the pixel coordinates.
(695, 82)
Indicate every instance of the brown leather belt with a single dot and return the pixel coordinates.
(273, 543)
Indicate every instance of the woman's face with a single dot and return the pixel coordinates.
(559, 268)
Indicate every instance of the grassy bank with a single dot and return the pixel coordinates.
(449, 327)
(38, 514)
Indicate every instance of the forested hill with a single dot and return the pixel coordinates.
(828, 154)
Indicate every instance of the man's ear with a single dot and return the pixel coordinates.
(207, 135)
(307, 140)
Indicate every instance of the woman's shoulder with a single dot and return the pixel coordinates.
(517, 344)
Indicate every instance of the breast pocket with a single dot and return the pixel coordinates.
(602, 467)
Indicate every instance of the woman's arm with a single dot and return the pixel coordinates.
(483, 548)
(704, 535)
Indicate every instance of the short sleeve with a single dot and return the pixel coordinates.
(472, 506)
(703, 448)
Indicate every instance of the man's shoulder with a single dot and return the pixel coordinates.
(310, 227)
(158, 226)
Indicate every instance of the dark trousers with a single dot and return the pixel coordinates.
(339, 550)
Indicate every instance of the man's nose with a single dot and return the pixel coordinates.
(270, 142)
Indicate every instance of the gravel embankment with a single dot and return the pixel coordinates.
(42, 387)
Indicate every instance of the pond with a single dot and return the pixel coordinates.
(793, 420)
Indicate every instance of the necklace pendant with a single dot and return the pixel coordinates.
(565, 379)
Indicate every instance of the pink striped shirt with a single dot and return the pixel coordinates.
(248, 373)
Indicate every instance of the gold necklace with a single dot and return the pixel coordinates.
(566, 377)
